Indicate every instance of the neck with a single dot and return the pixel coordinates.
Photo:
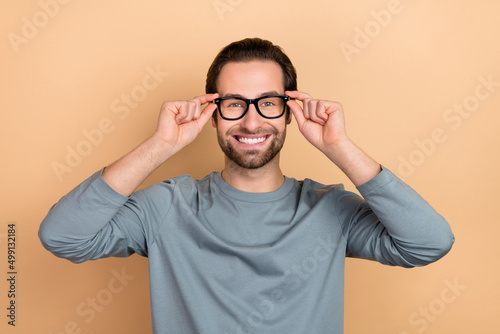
(260, 180)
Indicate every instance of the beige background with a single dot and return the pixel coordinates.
(399, 68)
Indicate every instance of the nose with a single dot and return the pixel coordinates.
(252, 120)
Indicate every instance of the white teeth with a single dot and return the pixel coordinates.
(245, 140)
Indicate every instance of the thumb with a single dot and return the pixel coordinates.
(206, 113)
(297, 112)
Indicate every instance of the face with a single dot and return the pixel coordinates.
(252, 141)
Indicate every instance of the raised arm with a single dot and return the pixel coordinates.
(101, 217)
(322, 124)
(396, 226)
(179, 124)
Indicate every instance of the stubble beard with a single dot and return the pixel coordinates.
(253, 159)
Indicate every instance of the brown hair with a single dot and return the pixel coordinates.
(250, 49)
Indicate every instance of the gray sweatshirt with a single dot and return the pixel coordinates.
(224, 261)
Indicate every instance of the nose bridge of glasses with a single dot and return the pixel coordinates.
(252, 113)
(254, 103)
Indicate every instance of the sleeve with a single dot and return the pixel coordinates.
(93, 221)
(393, 224)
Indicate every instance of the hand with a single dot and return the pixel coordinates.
(320, 121)
(178, 125)
(180, 122)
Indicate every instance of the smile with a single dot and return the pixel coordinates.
(251, 141)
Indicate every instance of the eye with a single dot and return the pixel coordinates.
(233, 103)
(267, 104)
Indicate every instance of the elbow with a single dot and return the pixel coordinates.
(444, 245)
(434, 250)
(47, 232)
(424, 253)
(58, 247)
(438, 244)
(46, 237)
(49, 237)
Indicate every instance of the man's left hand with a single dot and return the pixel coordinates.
(320, 121)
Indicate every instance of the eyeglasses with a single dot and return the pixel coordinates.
(234, 108)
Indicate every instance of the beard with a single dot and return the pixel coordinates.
(253, 159)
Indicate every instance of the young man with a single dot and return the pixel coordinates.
(247, 250)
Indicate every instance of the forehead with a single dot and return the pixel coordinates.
(251, 78)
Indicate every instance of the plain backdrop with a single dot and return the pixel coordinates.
(81, 84)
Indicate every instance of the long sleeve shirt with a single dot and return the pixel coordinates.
(226, 261)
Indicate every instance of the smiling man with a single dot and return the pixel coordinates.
(252, 135)
(247, 249)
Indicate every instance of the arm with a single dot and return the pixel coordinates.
(98, 218)
(178, 125)
(395, 225)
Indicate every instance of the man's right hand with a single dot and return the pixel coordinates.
(179, 123)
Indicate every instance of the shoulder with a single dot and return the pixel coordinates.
(185, 185)
(309, 185)
(314, 191)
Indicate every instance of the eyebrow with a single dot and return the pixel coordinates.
(272, 92)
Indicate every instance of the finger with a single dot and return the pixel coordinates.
(192, 108)
(206, 113)
(313, 111)
(206, 98)
(173, 106)
(309, 108)
(321, 110)
(298, 95)
(297, 112)
(182, 112)
(187, 111)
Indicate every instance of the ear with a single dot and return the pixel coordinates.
(288, 116)
(214, 121)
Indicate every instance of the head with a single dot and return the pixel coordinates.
(247, 50)
(251, 68)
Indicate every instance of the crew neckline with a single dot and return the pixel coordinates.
(241, 195)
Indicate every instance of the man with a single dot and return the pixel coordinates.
(247, 250)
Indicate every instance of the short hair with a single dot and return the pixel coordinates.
(250, 49)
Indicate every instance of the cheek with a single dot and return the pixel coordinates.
(281, 124)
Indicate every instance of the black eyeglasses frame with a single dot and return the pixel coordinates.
(248, 102)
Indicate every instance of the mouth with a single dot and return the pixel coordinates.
(251, 140)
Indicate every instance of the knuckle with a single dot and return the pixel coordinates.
(165, 104)
(193, 103)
